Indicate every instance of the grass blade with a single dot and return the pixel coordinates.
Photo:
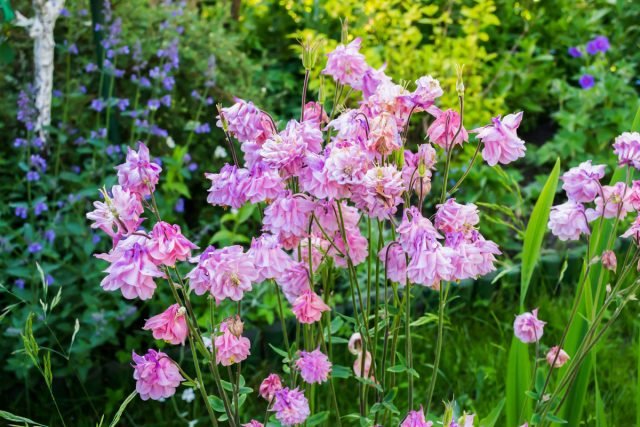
(518, 382)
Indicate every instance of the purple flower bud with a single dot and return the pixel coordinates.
(50, 236)
(179, 206)
(91, 67)
(39, 208)
(34, 247)
(21, 212)
(153, 104)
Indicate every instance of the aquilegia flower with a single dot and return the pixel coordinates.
(501, 142)
(615, 201)
(416, 419)
(231, 346)
(170, 325)
(308, 307)
(528, 328)
(231, 273)
(557, 357)
(568, 221)
(609, 260)
(119, 214)
(246, 122)
(157, 377)
(314, 366)
(445, 127)
(347, 65)
(627, 148)
(288, 218)
(168, 245)
(290, 406)
(138, 173)
(270, 386)
(582, 183)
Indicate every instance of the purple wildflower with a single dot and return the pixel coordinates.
(587, 81)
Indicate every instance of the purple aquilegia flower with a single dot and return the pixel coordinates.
(587, 81)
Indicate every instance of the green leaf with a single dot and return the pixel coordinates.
(280, 351)
(491, 419)
(536, 230)
(339, 371)
(518, 379)
(216, 403)
(123, 406)
(11, 417)
(317, 419)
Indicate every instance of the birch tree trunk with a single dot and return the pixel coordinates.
(40, 29)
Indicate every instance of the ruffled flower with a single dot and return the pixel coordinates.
(168, 245)
(263, 184)
(568, 221)
(416, 171)
(617, 201)
(380, 192)
(501, 142)
(268, 257)
(229, 187)
(445, 127)
(528, 328)
(347, 65)
(157, 377)
(270, 386)
(246, 122)
(138, 174)
(416, 419)
(286, 151)
(119, 214)
(288, 218)
(413, 229)
(384, 135)
(627, 148)
(314, 366)
(609, 260)
(290, 406)
(427, 90)
(454, 217)
(557, 357)
(231, 346)
(582, 183)
(170, 325)
(308, 307)
(431, 264)
(395, 261)
(294, 281)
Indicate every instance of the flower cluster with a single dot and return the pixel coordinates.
(599, 44)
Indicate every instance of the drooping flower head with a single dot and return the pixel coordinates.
(445, 127)
(232, 273)
(557, 357)
(286, 151)
(294, 280)
(229, 187)
(268, 257)
(314, 366)
(413, 229)
(270, 386)
(416, 419)
(616, 203)
(501, 142)
(568, 221)
(609, 260)
(384, 135)
(119, 214)
(454, 217)
(380, 192)
(231, 346)
(246, 122)
(138, 174)
(395, 261)
(170, 325)
(431, 263)
(168, 245)
(416, 171)
(263, 184)
(347, 65)
(288, 218)
(157, 377)
(528, 328)
(132, 269)
(582, 183)
(290, 406)
(627, 148)
(308, 307)
(314, 113)
(427, 90)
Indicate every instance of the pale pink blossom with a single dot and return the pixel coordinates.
(416, 419)
(501, 142)
(347, 165)
(253, 423)
(627, 148)
(384, 135)
(609, 260)
(168, 245)
(157, 377)
(170, 325)
(268, 257)
(314, 366)
(634, 230)
(132, 269)
(119, 214)
(355, 347)
(454, 217)
(395, 262)
(416, 171)
(263, 184)
(138, 174)
(290, 406)
(270, 386)
(288, 218)
(351, 126)
(200, 278)
(231, 347)
(568, 221)
(286, 151)
(347, 65)
(294, 281)
(427, 90)
(380, 192)
(528, 328)
(473, 257)
(356, 247)
(308, 307)
(445, 127)
(582, 183)
(430, 264)
(314, 179)
(617, 201)
(413, 229)
(372, 79)
(228, 187)
(232, 273)
(314, 114)
(557, 357)
(246, 122)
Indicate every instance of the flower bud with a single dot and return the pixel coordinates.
(223, 119)
(235, 326)
(310, 50)
(609, 260)
(460, 82)
(344, 35)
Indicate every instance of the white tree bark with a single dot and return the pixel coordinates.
(40, 29)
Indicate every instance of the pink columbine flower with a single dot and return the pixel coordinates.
(355, 347)
(501, 142)
(314, 179)
(372, 79)
(268, 257)
(246, 122)
(347, 166)
(416, 171)
(132, 269)
(395, 261)
(308, 307)
(617, 201)
(229, 187)
(288, 218)
(445, 127)
(138, 173)
(472, 257)
(157, 377)
(558, 355)
(170, 325)
(286, 151)
(431, 264)
(231, 346)
(384, 135)
(253, 423)
(609, 260)
(528, 328)
(314, 113)
(627, 148)
(454, 217)
(168, 245)
(270, 386)
(347, 65)
(290, 406)
(119, 214)
(263, 184)
(294, 280)
(416, 419)
(427, 90)
(381, 192)
(634, 230)
(232, 273)
(314, 366)
(200, 277)
(582, 183)
(358, 247)
(413, 229)
(568, 221)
